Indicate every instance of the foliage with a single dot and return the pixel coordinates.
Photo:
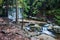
(33, 7)
(1, 2)
(57, 16)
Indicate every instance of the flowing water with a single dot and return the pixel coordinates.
(45, 31)
(12, 13)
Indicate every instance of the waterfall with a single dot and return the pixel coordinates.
(12, 13)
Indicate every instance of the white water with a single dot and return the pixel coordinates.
(45, 30)
(12, 14)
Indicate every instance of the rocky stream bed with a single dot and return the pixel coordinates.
(12, 32)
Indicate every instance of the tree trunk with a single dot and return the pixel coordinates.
(16, 12)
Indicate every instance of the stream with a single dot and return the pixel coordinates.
(46, 31)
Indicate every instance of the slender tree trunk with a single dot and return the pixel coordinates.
(22, 22)
(16, 12)
(6, 9)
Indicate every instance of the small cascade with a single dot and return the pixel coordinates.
(45, 31)
(12, 13)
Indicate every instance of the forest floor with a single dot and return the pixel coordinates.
(12, 32)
